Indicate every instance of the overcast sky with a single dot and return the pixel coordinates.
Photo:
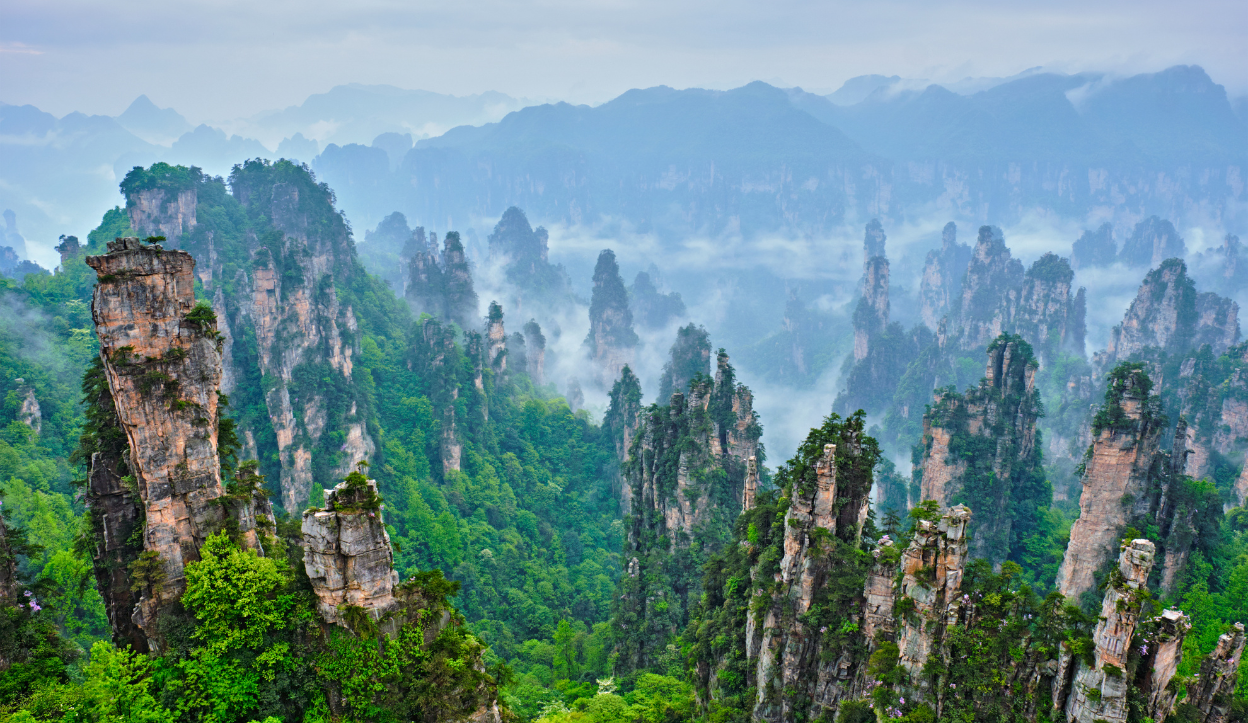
(229, 58)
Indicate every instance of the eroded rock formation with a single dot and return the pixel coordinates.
(1152, 241)
(942, 277)
(931, 569)
(1099, 690)
(346, 552)
(611, 340)
(871, 314)
(163, 366)
(979, 449)
(990, 290)
(1127, 436)
(1211, 695)
(684, 472)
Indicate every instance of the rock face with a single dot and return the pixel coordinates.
(784, 651)
(622, 419)
(1047, 313)
(522, 252)
(690, 356)
(280, 260)
(535, 352)
(653, 308)
(931, 569)
(1168, 314)
(1094, 248)
(1127, 436)
(163, 212)
(29, 412)
(1152, 241)
(942, 277)
(980, 449)
(990, 291)
(438, 359)
(163, 366)
(611, 340)
(1212, 692)
(871, 314)
(1161, 652)
(495, 339)
(1099, 690)
(684, 470)
(346, 552)
(441, 284)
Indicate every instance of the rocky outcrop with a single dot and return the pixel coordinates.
(168, 212)
(1169, 315)
(283, 255)
(942, 277)
(684, 471)
(828, 504)
(535, 352)
(1094, 248)
(871, 314)
(1212, 693)
(28, 412)
(347, 554)
(1099, 690)
(611, 340)
(990, 291)
(522, 252)
(440, 284)
(1127, 433)
(622, 420)
(979, 449)
(653, 307)
(68, 248)
(163, 366)
(880, 594)
(1161, 651)
(495, 339)
(1152, 241)
(1047, 314)
(437, 358)
(690, 356)
(932, 568)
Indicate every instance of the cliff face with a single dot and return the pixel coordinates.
(1212, 692)
(690, 356)
(1047, 313)
(990, 291)
(684, 472)
(163, 366)
(522, 252)
(1168, 314)
(163, 212)
(1099, 691)
(347, 552)
(535, 352)
(1151, 242)
(942, 277)
(1126, 447)
(980, 449)
(871, 314)
(1094, 248)
(274, 252)
(611, 338)
(622, 420)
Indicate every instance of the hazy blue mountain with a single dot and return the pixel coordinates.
(59, 174)
(855, 90)
(210, 149)
(162, 126)
(298, 148)
(357, 113)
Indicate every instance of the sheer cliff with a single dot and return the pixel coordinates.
(982, 449)
(611, 341)
(275, 259)
(683, 479)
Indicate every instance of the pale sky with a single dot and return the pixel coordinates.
(229, 58)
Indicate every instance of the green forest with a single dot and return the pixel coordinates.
(519, 558)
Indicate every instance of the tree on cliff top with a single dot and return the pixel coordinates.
(610, 320)
(690, 356)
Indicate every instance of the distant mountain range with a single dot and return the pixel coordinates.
(757, 159)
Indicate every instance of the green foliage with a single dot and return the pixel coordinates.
(161, 176)
(1126, 378)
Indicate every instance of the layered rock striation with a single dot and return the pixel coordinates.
(162, 360)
